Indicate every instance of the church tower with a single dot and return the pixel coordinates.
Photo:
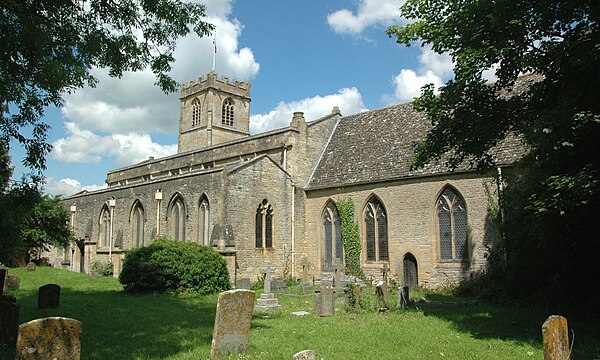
(213, 111)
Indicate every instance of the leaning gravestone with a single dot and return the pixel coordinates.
(9, 321)
(305, 355)
(3, 272)
(49, 296)
(12, 282)
(555, 332)
(232, 322)
(49, 338)
(383, 295)
(403, 297)
(30, 266)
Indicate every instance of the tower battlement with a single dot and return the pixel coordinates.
(211, 80)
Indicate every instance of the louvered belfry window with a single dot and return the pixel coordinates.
(196, 112)
(227, 112)
(452, 224)
(264, 225)
(376, 233)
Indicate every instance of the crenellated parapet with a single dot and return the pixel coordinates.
(211, 80)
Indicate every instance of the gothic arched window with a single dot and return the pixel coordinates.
(452, 224)
(227, 112)
(104, 226)
(176, 219)
(196, 113)
(333, 247)
(376, 236)
(264, 225)
(204, 221)
(137, 224)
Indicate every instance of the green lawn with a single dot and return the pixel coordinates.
(117, 325)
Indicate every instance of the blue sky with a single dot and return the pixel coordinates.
(298, 56)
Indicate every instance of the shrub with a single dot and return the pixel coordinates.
(172, 266)
(100, 268)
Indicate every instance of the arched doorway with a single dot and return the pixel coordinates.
(411, 273)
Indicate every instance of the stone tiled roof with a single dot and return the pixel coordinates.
(376, 146)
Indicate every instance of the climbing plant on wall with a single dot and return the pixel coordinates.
(350, 237)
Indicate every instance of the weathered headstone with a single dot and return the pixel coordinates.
(3, 272)
(232, 322)
(49, 338)
(12, 282)
(267, 301)
(49, 296)
(278, 285)
(325, 301)
(354, 295)
(305, 355)
(242, 284)
(402, 297)
(9, 321)
(30, 266)
(384, 272)
(555, 332)
(382, 292)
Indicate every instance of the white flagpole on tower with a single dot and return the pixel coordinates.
(214, 52)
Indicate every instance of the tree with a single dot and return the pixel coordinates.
(551, 204)
(49, 48)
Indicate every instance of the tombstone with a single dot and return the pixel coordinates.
(232, 322)
(305, 355)
(30, 266)
(48, 296)
(384, 272)
(325, 301)
(337, 273)
(12, 282)
(9, 321)
(3, 272)
(382, 291)
(278, 285)
(49, 338)
(402, 297)
(555, 333)
(242, 284)
(355, 296)
(267, 301)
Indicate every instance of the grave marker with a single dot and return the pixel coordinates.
(325, 301)
(267, 301)
(3, 272)
(402, 297)
(12, 282)
(242, 284)
(48, 296)
(555, 332)
(49, 338)
(305, 355)
(30, 266)
(382, 291)
(9, 321)
(232, 322)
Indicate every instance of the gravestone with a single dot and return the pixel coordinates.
(12, 282)
(3, 272)
(382, 292)
(9, 321)
(49, 338)
(48, 296)
(242, 284)
(555, 332)
(30, 266)
(278, 285)
(355, 296)
(402, 297)
(325, 301)
(337, 273)
(305, 355)
(232, 322)
(384, 272)
(267, 301)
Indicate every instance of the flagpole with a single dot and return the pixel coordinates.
(215, 50)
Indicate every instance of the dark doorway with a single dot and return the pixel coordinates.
(411, 274)
(81, 246)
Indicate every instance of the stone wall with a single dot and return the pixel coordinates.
(412, 225)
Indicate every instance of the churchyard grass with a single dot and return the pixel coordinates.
(117, 325)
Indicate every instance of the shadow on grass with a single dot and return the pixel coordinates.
(117, 325)
(518, 324)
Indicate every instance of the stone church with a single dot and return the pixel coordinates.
(271, 197)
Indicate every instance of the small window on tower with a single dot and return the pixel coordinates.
(227, 117)
(196, 112)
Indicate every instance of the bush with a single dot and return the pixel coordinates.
(101, 269)
(173, 266)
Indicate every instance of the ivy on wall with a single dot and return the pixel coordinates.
(350, 237)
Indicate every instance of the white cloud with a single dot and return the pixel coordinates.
(349, 100)
(67, 186)
(369, 13)
(84, 146)
(439, 64)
